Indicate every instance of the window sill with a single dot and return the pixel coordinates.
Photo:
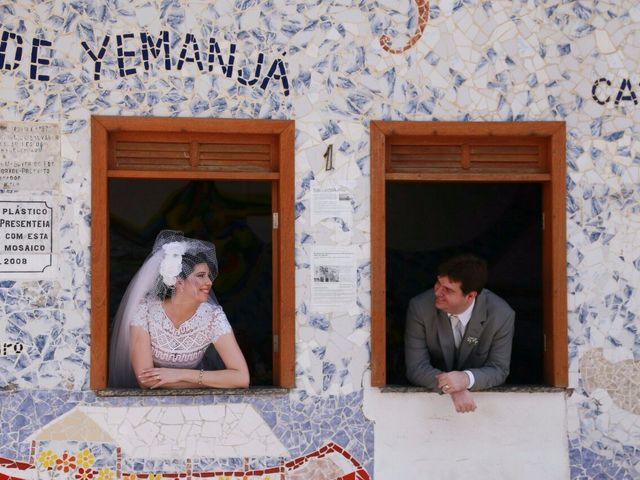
(138, 392)
(500, 389)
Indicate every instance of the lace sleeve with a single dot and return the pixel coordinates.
(141, 316)
(219, 323)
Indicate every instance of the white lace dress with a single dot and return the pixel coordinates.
(181, 347)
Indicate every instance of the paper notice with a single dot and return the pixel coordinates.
(334, 278)
(331, 203)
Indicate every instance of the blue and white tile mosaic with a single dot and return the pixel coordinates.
(296, 425)
(322, 64)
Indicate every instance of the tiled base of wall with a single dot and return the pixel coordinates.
(89, 438)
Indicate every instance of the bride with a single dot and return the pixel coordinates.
(167, 319)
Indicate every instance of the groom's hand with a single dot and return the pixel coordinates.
(452, 382)
(463, 401)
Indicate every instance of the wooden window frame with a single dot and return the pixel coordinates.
(550, 173)
(280, 173)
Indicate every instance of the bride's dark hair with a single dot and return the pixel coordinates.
(189, 263)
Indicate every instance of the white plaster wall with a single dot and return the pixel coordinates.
(519, 435)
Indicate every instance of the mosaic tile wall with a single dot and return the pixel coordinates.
(323, 64)
(211, 433)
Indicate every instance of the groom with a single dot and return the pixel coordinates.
(458, 335)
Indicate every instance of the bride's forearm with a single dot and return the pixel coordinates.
(227, 378)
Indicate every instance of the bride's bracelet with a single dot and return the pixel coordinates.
(200, 376)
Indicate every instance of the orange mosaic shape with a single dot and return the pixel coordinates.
(423, 18)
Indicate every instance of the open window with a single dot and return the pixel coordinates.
(229, 181)
(497, 189)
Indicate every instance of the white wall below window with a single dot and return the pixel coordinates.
(419, 435)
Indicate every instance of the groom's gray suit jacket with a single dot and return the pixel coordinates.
(485, 349)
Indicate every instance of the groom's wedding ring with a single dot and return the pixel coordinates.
(446, 387)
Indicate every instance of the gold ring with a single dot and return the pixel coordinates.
(446, 387)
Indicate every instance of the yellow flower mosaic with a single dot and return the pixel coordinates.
(105, 474)
(47, 458)
(85, 458)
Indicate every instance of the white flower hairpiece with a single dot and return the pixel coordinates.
(171, 264)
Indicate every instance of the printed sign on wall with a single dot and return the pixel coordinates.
(29, 156)
(29, 172)
(26, 238)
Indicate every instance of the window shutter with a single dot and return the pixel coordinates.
(195, 152)
(451, 154)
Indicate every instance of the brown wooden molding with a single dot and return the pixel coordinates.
(505, 152)
(202, 149)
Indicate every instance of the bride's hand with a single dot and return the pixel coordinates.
(157, 377)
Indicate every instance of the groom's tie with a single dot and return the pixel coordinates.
(458, 331)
